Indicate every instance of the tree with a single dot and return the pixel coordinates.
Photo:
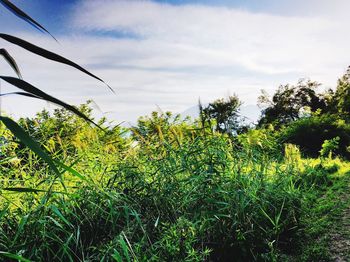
(225, 113)
(290, 102)
(341, 99)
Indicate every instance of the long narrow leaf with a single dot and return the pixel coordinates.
(30, 190)
(71, 170)
(20, 228)
(14, 256)
(21, 94)
(21, 84)
(4, 211)
(48, 55)
(9, 59)
(28, 141)
(21, 14)
(59, 214)
(24, 190)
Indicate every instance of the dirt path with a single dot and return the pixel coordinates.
(340, 238)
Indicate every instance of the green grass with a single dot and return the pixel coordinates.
(170, 191)
(322, 213)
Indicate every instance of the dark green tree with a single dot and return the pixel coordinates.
(340, 102)
(225, 112)
(290, 102)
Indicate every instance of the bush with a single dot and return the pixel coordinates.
(329, 146)
(310, 134)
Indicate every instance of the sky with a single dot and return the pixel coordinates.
(166, 55)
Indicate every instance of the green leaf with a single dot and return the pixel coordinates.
(117, 257)
(21, 84)
(48, 55)
(18, 132)
(59, 214)
(71, 170)
(7, 160)
(11, 61)
(55, 222)
(24, 189)
(124, 248)
(13, 256)
(21, 225)
(4, 211)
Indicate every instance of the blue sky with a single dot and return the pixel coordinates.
(167, 54)
(50, 13)
(53, 13)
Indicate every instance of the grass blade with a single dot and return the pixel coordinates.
(21, 84)
(24, 189)
(11, 61)
(14, 256)
(21, 225)
(59, 214)
(125, 249)
(117, 257)
(4, 211)
(28, 141)
(48, 55)
(21, 14)
(21, 94)
(71, 170)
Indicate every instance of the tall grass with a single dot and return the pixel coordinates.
(170, 191)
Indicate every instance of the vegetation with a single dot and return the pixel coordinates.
(224, 113)
(169, 189)
(29, 90)
(173, 189)
(291, 103)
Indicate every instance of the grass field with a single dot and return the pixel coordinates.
(165, 191)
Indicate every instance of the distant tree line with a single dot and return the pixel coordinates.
(300, 114)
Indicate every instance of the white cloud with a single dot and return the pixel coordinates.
(179, 53)
(195, 35)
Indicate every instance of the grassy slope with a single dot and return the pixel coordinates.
(326, 232)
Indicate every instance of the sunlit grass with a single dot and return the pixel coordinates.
(181, 193)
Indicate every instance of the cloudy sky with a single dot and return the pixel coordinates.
(168, 54)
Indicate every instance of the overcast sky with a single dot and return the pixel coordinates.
(168, 54)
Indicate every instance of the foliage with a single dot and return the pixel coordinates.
(160, 127)
(289, 103)
(309, 134)
(172, 190)
(322, 215)
(225, 113)
(341, 98)
(264, 141)
(169, 189)
(29, 90)
(329, 146)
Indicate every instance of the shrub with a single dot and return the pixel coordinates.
(329, 146)
(310, 134)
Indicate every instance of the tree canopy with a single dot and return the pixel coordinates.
(290, 102)
(225, 113)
